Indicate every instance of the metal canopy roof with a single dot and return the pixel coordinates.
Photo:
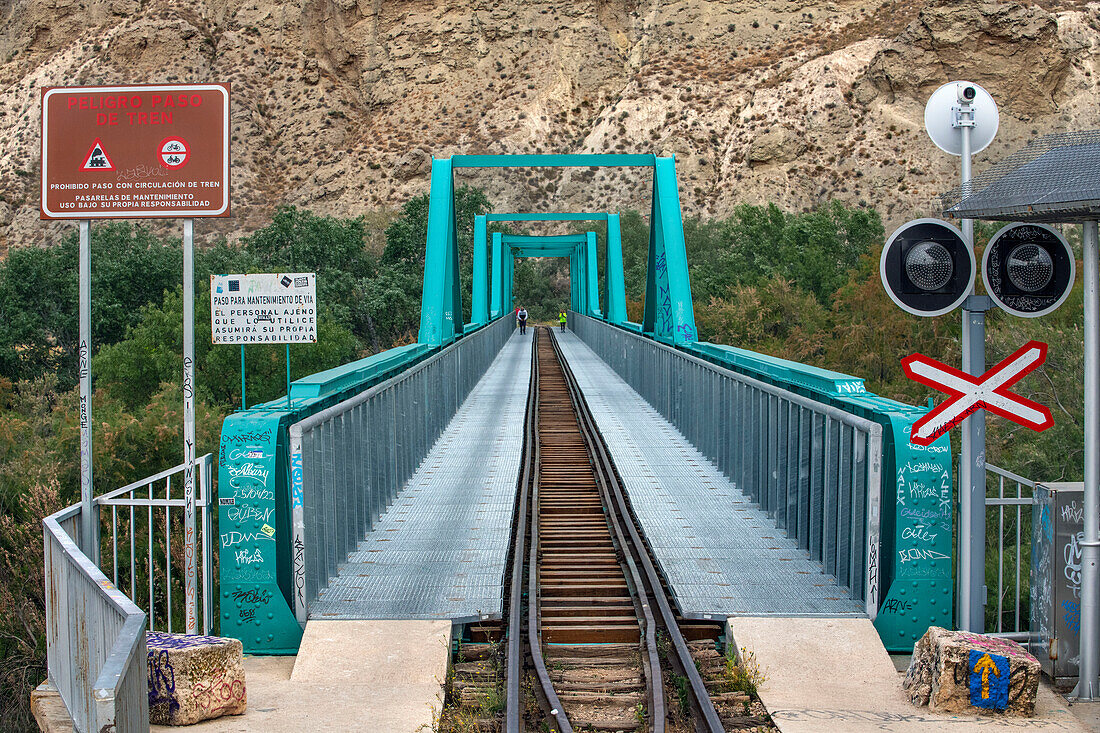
(1055, 178)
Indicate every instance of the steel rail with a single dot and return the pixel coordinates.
(606, 470)
(513, 715)
(654, 679)
(556, 709)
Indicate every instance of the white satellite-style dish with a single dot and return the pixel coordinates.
(945, 109)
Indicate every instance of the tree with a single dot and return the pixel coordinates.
(135, 369)
(335, 249)
(39, 296)
(407, 237)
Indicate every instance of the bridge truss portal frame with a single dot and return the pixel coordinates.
(668, 317)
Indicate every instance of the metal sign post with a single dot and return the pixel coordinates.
(88, 541)
(189, 587)
(972, 445)
(244, 399)
(127, 152)
(962, 119)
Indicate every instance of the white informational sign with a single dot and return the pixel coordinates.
(278, 308)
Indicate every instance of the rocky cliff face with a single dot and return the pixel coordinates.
(339, 105)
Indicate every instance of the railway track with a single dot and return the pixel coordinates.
(601, 634)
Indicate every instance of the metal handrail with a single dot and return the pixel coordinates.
(119, 500)
(813, 467)
(95, 633)
(95, 636)
(391, 427)
(1020, 622)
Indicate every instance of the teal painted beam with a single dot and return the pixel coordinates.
(649, 312)
(616, 281)
(545, 251)
(452, 316)
(510, 282)
(341, 378)
(497, 284)
(533, 239)
(583, 160)
(592, 275)
(479, 299)
(441, 249)
(669, 316)
(574, 301)
(546, 217)
(681, 311)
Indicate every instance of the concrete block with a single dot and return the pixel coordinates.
(193, 678)
(960, 672)
(49, 710)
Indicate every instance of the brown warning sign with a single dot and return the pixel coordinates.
(135, 151)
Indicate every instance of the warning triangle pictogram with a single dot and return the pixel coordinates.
(96, 159)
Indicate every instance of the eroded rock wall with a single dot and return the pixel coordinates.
(339, 104)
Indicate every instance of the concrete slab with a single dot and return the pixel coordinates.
(348, 676)
(834, 676)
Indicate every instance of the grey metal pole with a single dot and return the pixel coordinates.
(1087, 684)
(972, 452)
(189, 555)
(88, 544)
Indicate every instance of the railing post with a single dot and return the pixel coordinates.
(1090, 549)
(874, 519)
(207, 544)
(497, 280)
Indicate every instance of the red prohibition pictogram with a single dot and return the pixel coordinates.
(174, 152)
(970, 394)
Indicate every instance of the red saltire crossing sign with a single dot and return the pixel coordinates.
(970, 394)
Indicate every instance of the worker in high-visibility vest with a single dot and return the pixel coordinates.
(561, 320)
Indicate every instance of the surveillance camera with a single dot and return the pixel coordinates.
(967, 93)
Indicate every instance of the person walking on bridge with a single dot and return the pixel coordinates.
(521, 316)
(561, 320)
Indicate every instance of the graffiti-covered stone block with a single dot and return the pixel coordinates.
(193, 678)
(960, 672)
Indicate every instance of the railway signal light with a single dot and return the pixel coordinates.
(1028, 269)
(927, 268)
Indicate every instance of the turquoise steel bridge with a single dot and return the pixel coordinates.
(901, 549)
(385, 488)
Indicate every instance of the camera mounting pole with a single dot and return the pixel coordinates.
(972, 588)
(961, 118)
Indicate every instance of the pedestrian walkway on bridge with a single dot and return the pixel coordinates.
(439, 551)
(721, 555)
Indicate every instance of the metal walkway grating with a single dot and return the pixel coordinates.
(440, 550)
(721, 554)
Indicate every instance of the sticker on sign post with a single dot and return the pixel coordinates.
(970, 394)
